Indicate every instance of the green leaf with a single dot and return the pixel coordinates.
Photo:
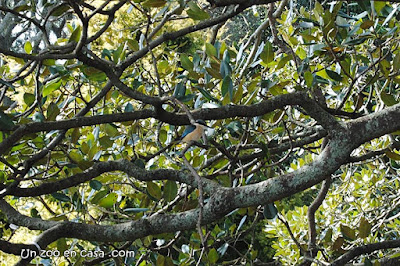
(364, 228)
(61, 197)
(225, 69)
(180, 89)
(211, 50)
(75, 156)
(75, 135)
(338, 243)
(154, 3)
(170, 190)
(154, 190)
(227, 87)
(388, 99)
(308, 78)
(135, 84)
(2, 177)
(99, 195)
(52, 112)
(49, 62)
(136, 210)
(6, 123)
(355, 41)
(50, 87)
(235, 128)
(318, 8)
(326, 235)
(60, 10)
(333, 75)
(213, 256)
(378, 5)
(214, 73)
(186, 63)
(95, 184)
(267, 55)
(348, 232)
(396, 62)
(133, 45)
(195, 12)
(320, 79)
(283, 61)
(83, 164)
(29, 98)
(22, 8)
(118, 52)
(206, 94)
(76, 35)
(366, 24)
(7, 84)
(128, 108)
(62, 245)
(241, 223)
(109, 200)
(160, 261)
(222, 250)
(111, 130)
(270, 211)
(94, 74)
(28, 47)
(392, 155)
(106, 142)
(186, 98)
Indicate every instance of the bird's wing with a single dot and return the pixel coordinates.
(188, 129)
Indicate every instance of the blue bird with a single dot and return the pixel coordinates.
(194, 132)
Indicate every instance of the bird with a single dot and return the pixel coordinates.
(194, 132)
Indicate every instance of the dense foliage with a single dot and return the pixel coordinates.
(301, 165)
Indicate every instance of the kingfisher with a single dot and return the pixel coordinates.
(194, 132)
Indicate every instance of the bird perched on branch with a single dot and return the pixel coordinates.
(194, 132)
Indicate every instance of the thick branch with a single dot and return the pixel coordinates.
(224, 200)
(102, 167)
(17, 218)
(228, 111)
(16, 249)
(371, 126)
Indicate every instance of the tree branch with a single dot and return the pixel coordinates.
(366, 249)
(102, 167)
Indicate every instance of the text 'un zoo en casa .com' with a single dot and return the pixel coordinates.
(26, 253)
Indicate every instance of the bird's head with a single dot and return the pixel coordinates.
(201, 123)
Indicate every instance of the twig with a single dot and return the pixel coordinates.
(282, 219)
(201, 199)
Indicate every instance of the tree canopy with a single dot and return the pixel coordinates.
(301, 165)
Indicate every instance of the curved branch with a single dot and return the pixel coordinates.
(71, 123)
(32, 20)
(15, 249)
(224, 200)
(173, 35)
(312, 230)
(366, 249)
(103, 167)
(228, 111)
